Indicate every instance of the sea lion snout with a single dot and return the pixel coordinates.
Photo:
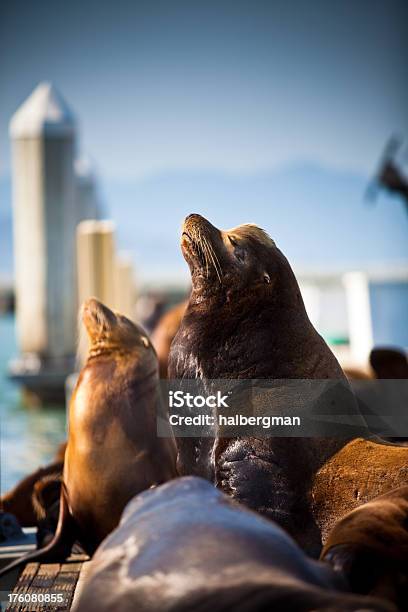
(96, 316)
(109, 330)
(239, 257)
(202, 245)
(193, 216)
(197, 227)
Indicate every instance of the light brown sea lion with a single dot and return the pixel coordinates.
(357, 373)
(246, 320)
(370, 546)
(113, 451)
(46, 502)
(163, 335)
(185, 546)
(359, 472)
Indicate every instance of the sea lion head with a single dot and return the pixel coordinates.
(230, 260)
(110, 331)
(389, 362)
(369, 546)
(244, 296)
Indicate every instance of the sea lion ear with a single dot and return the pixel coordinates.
(267, 278)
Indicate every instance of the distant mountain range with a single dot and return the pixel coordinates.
(317, 216)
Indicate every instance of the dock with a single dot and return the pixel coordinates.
(49, 586)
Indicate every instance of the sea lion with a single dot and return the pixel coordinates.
(246, 320)
(357, 373)
(370, 546)
(384, 363)
(18, 500)
(186, 546)
(113, 451)
(163, 335)
(359, 472)
(392, 363)
(45, 499)
(389, 363)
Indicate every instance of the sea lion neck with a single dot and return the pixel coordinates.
(279, 302)
(225, 342)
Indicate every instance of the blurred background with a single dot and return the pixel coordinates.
(119, 119)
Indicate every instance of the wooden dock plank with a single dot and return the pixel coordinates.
(47, 578)
(23, 585)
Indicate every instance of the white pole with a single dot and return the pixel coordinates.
(125, 289)
(359, 316)
(43, 142)
(96, 261)
(86, 191)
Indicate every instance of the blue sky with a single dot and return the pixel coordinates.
(237, 89)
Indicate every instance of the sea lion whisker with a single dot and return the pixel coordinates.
(214, 259)
(198, 244)
(206, 255)
(207, 259)
(203, 248)
(219, 269)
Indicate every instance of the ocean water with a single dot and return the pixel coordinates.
(29, 437)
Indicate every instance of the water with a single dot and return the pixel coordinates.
(29, 437)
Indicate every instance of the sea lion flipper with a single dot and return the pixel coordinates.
(60, 546)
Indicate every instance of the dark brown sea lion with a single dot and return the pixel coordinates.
(384, 363)
(361, 471)
(113, 451)
(18, 500)
(246, 320)
(389, 363)
(392, 363)
(46, 502)
(163, 335)
(370, 546)
(186, 546)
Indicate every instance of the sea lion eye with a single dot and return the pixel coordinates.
(267, 279)
(239, 252)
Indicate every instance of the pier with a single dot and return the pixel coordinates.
(62, 581)
(64, 253)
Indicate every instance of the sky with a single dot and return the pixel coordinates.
(238, 89)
